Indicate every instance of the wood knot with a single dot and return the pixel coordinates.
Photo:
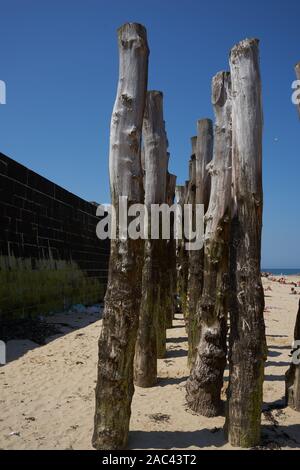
(126, 99)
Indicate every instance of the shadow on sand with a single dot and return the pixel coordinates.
(176, 439)
(164, 381)
(176, 353)
(24, 336)
(179, 339)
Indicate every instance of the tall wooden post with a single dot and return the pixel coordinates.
(185, 256)
(115, 388)
(185, 261)
(161, 319)
(206, 380)
(155, 157)
(247, 329)
(204, 153)
(193, 278)
(180, 249)
(292, 376)
(171, 255)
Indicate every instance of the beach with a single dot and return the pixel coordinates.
(47, 392)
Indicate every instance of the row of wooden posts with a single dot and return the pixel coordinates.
(224, 276)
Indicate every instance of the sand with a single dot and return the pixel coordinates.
(47, 392)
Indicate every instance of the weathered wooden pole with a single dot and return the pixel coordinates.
(206, 380)
(292, 376)
(165, 316)
(247, 328)
(184, 258)
(161, 318)
(180, 248)
(192, 281)
(155, 167)
(171, 255)
(115, 388)
(204, 154)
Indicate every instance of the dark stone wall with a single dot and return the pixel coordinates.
(40, 220)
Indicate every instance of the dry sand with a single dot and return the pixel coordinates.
(47, 392)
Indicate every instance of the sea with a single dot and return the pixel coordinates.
(283, 271)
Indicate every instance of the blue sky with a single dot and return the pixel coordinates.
(59, 60)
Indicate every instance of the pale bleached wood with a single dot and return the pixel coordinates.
(247, 329)
(206, 380)
(155, 165)
(115, 388)
(203, 155)
(155, 150)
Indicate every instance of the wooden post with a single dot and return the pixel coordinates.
(180, 250)
(161, 319)
(185, 260)
(292, 376)
(171, 256)
(204, 153)
(206, 380)
(167, 263)
(247, 328)
(115, 388)
(155, 157)
(193, 280)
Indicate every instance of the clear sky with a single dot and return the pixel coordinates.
(59, 60)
